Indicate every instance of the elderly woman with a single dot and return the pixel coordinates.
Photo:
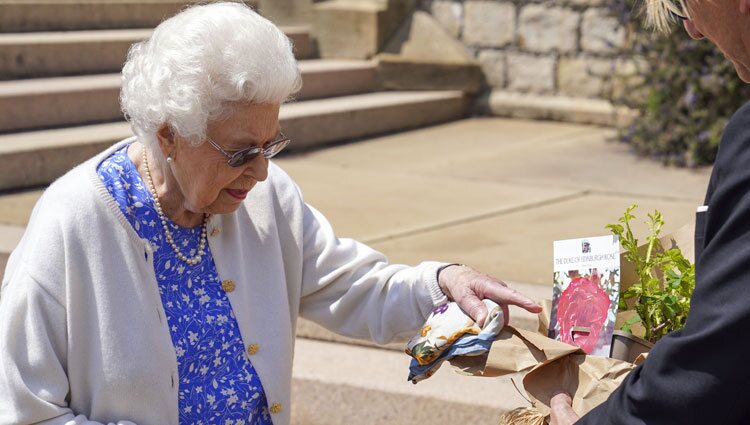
(699, 375)
(160, 282)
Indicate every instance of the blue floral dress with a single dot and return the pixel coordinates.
(217, 382)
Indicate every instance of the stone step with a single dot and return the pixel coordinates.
(46, 54)
(37, 157)
(63, 101)
(72, 15)
(60, 101)
(305, 47)
(337, 384)
(328, 78)
(318, 122)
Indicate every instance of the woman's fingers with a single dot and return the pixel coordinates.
(500, 293)
(468, 288)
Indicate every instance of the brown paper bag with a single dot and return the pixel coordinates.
(589, 379)
(551, 365)
(513, 351)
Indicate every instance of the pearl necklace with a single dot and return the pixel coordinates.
(168, 233)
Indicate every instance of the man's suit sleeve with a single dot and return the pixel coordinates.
(699, 375)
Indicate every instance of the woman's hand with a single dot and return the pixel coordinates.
(562, 412)
(467, 287)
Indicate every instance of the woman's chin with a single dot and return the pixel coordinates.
(224, 205)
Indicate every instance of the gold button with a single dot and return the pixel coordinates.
(228, 285)
(215, 231)
(276, 408)
(252, 348)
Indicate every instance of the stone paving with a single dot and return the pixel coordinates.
(489, 192)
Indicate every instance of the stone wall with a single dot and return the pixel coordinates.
(546, 47)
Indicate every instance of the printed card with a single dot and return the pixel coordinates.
(586, 292)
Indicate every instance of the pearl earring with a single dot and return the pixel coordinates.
(169, 159)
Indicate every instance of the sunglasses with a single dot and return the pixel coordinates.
(242, 156)
(678, 11)
(678, 16)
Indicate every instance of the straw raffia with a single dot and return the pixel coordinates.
(523, 416)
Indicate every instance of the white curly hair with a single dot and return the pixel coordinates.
(198, 62)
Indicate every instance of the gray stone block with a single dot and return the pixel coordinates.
(489, 23)
(287, 12)
(450, 15)
(544, 29)
(629, 74)
(557, 108)
(601, 33)
(421, 37)
(585, 76)
(351, 29)
(494, 66)
(529, 73)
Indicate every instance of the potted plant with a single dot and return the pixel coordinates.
(657, 300)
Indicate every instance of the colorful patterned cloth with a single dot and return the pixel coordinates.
(449, 332)
(217, 382)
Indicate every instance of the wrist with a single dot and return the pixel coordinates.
(443, 276)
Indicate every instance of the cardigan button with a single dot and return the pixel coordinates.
(276, 408)
(252, 348)
(228, 285)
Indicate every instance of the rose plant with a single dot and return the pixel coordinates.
(665, 281)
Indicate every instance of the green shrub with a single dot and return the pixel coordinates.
(685, 96)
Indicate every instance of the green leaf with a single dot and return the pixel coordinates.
(628, 324)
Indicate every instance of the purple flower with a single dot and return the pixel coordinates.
(440, 309)
(690, 98)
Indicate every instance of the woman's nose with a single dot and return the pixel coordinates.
(257, 168)
(692, 31)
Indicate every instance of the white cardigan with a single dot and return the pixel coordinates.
(83, 335)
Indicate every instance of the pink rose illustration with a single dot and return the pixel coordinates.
(582, 304)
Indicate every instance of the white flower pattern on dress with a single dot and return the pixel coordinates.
(217, 381)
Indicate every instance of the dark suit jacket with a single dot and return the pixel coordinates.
(701, 373)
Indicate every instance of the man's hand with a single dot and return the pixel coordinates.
(467, 287)
(562, 412)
